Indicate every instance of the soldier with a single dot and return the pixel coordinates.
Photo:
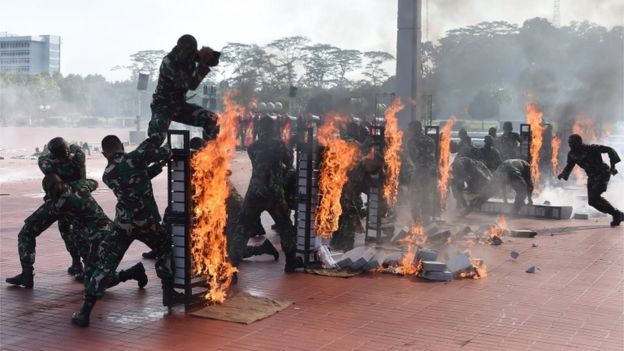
(489, 154)
(68, 161)
(351, 202)
(467, 149)
(74, 203)
(589, 158)
(421, 167)
(468, 175)
(182, 70)
(513, 172)
(270, 158)
(509, 142)
(129, 175)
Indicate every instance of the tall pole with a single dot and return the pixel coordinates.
(409, 62)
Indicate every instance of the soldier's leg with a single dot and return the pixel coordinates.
(72, 245)
(34, 225)
(247, 223)
(520, 188)
(595, 187)
(157, 238)
(279, 211)
(159, 124)
(198, 116)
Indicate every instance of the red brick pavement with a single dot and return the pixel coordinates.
(575, 302)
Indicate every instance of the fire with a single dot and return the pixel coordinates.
(209, 181)
(534, 119)
(554, 157)
(494, 234)
(416, 239)
(392, 157)
(478, 269)
(444, 166)
(339, 157)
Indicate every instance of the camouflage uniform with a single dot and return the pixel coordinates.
(351, 202)
(491, 157)
(509, 145)
(513, 172)
(422, 169)
(43, 217)
(169, 99)
(468, 175)
(129, 176)
(589, 158)
(270, 158)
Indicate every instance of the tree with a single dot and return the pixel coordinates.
(373, 70)
(346, 61)
(290, 51)
(320, 63)
(144, 61)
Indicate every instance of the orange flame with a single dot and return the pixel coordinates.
(339, 157)
(209, 181)
(534, 119)
(478, 269)
(444, 166)
(392, 156)
(416, 239)
(554, 157)
(497, 230)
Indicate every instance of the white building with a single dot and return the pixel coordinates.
(30, 54)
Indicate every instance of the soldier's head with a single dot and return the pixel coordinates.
(488, 140)
(186, 48)
(266, 126)
(197, 143)
(415, 127)
(53, 185)
(463, 133)
(507, 127)
(575, 141)
(58, 148)
(111, 145)
(492, 132)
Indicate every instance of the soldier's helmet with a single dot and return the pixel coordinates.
(266, 125)
(463, 133)
(575, 140)
(58, 147)
(507, 127)
(415, 127)
(492, 132)
(186, 47)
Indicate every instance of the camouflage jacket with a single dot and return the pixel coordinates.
(129, 177)
(491, 157)
(270, 159)
(509, 145)
(466, 169)
(421, 151)
(589, 158)
(515, 169)
(176, 79)
(80, 208)
(70, 170)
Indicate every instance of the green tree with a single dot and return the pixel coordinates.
(374, 70)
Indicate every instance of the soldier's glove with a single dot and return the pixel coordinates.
(562, 176)
(613, 171)
(208, 57)
(530, 201)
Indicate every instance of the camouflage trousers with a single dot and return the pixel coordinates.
(190, 114)
(36, 224)
(348, 223)
(596, 185)
(422, 201)
(516, 183)
(111, 250)
(249, 219)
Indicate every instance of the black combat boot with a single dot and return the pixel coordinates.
(265, 248)
(150, 255)
(618, 217)
(292, 262)
(136, 272)
(170, 296)
(75, 268)
(81, 318)
(24, 279)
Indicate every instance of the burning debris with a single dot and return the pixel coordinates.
(209, 181)
(393, 138)
(339, 156)
(494, 234)
(444, 166)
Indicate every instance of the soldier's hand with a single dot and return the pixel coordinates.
(613, 171)
(562, 176)
(208, 57)
(530, 201)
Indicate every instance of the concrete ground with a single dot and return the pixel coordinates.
(574, 302)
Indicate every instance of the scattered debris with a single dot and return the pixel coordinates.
(581, 215)
(534, 245)
(523, 233)
(426, 255)
(437, 276)
(514, 254)
(496, 240)
(350, 256)
(400, 234)
(362, 261)
(440, 236)
(459, 263)
(326, 258)
(532, 269)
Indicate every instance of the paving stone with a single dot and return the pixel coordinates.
(434, 266)
(350, 256)
(523, 233)
(440, 236)
(399, 234)
(424, 254)
(514, 254)
(377, 261)
(437, 275)
(362, 261)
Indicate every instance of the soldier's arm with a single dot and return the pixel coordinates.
(149, 152)
(198, 75)
(614, 158)
(79, 159)
(46, 163)
(568, 169)
(287, 155)
(154, 169)
(167, 71)
(526, 177)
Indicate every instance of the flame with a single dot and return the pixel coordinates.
(339, 157)
(285, 135)
(534, 119)
(554, 157)
(209, 181)
(416, 239)
(497, 230)
(444, 166)
(392, 155)
(478, 269)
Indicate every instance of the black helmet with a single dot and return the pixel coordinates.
(575, 140)
(58, 147)
(507, 126)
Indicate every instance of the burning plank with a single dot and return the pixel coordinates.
(339, 157)
(444, 166)
(209, 181)
(393, 138)
(534, 119)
